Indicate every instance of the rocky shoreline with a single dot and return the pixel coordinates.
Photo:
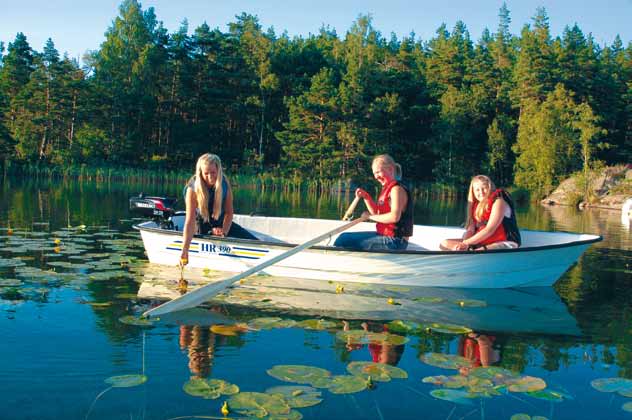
(608, 189)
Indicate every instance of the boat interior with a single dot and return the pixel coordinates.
(425, 238)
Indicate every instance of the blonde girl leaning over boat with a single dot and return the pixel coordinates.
(209, 204)
(393, 211)
(490, 219)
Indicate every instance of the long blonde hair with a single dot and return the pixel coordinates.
(387, 160)
(471, 198)
(201, 189)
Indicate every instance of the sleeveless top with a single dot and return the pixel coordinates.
(205, 227)
(507, 230)
(404, 227)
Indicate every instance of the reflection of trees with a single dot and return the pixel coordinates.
(107, 318)
(606, 223)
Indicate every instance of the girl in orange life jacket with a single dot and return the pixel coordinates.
(393, 211)
(491, 220)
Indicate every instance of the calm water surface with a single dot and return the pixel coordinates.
(71, 266)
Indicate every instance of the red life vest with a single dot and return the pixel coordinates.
(499, 234)
(403, 228)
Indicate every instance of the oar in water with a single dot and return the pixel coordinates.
(204, 293)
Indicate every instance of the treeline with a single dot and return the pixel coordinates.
(526, 109)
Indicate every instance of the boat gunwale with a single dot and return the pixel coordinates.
(598, 238)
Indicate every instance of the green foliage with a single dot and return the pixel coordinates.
(551, 136)
(528, 109)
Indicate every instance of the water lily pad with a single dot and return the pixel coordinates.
(496, 374)
(316, 324)
(138, 321)
(268, 323)
(611, 384)
(366, 337)
(229, 330)
(347, 384)
(403, 327)
(453, 395)
(626, 393)
(445, 361)
(520, 416)
(300, 374)
(209, 389)
(259, 404)
(548, 395)
(10, 282)
(447, 328)
(527, 384)
(126, 381)
(453, 381)
(297, 396)
(377, 371)
(482, 387)
(627, 407)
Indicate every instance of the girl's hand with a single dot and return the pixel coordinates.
(217, 231)
(184, 258)
(362, 193)
(461, 246)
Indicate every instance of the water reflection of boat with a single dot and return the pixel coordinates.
(542, 259)
(525, 310)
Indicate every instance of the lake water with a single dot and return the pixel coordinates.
(71, 266)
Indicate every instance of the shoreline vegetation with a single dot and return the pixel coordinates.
(262, 181)
(528, 109)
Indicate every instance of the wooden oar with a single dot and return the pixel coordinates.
(204, 293)
(351, 208)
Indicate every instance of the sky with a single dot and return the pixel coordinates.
(77, 26)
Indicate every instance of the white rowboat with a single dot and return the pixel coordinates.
(540, 261)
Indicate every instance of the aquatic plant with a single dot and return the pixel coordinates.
(377, 371)
(209, 388)
(300, 374)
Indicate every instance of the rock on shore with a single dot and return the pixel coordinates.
(609, 189)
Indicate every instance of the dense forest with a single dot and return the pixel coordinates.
(528, 109)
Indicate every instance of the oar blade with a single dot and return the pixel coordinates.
(191, 299)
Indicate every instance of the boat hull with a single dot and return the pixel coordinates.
(525, 267)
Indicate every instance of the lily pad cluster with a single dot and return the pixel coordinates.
(621, 386)
(209, 388)
(359, 337)
(75, 256)
(362, 375)
(263, 404)
(482, 381)
(409, 327)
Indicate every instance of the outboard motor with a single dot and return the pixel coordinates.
(159, 209)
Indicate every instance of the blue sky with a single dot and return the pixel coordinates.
(77, 26)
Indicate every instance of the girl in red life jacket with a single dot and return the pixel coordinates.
(491, 219)
(393, 211)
